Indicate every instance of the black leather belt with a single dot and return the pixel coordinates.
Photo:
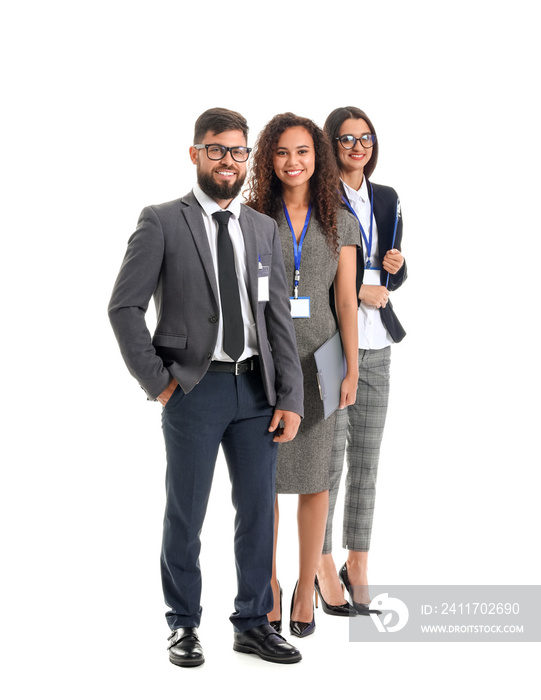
(235, 367)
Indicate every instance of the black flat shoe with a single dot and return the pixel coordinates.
(344, 610)
(277, 624)
(185, 648)
(360, 608)
(301, 629)
(267, 644)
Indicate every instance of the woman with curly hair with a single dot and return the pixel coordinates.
(295, 180)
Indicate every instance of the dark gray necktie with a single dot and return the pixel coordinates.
(233, 325)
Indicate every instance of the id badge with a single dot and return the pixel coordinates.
(372, 276)
(263, 283)
(300, 308)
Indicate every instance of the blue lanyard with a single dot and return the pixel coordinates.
(297, 248)
(367, 242)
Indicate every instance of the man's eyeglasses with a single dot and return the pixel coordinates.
(216, 152)
(348, 141)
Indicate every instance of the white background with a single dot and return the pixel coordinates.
(99, 104)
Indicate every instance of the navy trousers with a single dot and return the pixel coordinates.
(233, 412)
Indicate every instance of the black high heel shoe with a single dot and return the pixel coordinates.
(277, 624)
(301, 629)
(361, 608)
(344, 610)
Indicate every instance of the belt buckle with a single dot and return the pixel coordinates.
(249, 364)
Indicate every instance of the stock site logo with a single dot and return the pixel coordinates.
(394, 613)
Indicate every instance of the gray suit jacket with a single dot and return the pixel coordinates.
(169, 257)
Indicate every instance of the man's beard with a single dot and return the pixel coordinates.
(219, 190)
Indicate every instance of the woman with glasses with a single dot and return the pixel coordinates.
(295, 181)
(381, 268)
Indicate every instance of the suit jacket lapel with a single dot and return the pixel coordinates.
(194, 219)
(250, 243)
(385, 227)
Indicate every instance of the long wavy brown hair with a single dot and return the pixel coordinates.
(264, 192)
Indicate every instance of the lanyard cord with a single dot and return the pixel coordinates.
(297, 248)
(367, 241)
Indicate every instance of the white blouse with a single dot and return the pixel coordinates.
(372, 333)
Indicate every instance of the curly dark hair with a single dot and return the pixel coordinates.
(264, 193)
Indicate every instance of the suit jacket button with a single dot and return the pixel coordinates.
(213, 319)
(209, 356)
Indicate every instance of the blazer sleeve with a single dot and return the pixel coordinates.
(137, 281)
(281, 335)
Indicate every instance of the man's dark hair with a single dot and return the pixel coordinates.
(217, 120)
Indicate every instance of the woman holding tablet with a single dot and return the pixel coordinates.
(295, 181)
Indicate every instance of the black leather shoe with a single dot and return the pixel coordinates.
(185, 648)
(361, 608)
(344, 610)
(267, 644)
(277, 624)
(298, 628)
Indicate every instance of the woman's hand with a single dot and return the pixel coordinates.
(393, 261)
(374, 295)
(348, 391)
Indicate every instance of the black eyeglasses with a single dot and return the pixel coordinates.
(216, 152)
(348, 141)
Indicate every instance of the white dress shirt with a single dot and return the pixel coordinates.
(372, 333)
(209, 206)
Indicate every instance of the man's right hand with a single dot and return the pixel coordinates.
(291, 425)
(166, 394)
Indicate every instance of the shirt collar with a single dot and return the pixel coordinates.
(210, 206)
(357, 195)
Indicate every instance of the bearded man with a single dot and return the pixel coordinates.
(223, 363)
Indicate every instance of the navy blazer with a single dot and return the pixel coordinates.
(388, 216)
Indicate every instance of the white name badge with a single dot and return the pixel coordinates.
(263, 283)
(300, 308)
(372, 276)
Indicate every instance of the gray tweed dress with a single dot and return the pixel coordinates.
(303, 464)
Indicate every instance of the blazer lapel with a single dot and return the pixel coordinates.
(360, 246)
(381, 216)
(250, 243)
(194, 219)
(385, 226)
